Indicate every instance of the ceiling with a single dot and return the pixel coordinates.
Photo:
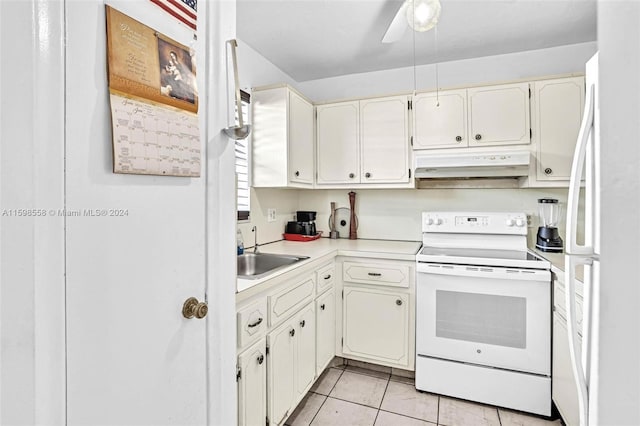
(312, 39)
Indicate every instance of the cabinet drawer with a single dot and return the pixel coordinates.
(380, 274)
(559, 303)
(252, 322)
(285, 302)
(325, 277)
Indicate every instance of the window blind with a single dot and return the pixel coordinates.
(242, 162)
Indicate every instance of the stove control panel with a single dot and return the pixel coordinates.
(475, 223)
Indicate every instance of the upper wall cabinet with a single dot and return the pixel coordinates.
(499, 115)
(282, 139)
(556, 113)
(363, 143)
(338, 138)
(440, 120)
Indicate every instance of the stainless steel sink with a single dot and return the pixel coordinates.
(253, 266)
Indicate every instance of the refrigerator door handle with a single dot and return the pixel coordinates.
(572, 330)
(586, 127)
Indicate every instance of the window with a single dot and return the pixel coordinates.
(242, 163)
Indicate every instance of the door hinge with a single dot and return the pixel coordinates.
(409, 173)
(267, 423)
(343, 294)
(267, 350)
(410, 104)
(529, 92)
(411, 140)
(342, 342)
(316, 111)
(530, 134)
(238, 373)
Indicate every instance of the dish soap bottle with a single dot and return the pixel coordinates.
(240, 242)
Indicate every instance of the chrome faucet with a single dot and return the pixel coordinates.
(255, 239)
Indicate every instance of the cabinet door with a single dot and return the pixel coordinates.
(280, 372)
(305, 350)
(301, 151)
(376, 325)
(338, 135)
(325, 330)
(499, 115)
(252, 385)
(384, 127)
(557, 113)
(440, 120)
(563, 384)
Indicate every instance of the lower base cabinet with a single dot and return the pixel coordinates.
(325, 330)
(290, 363)
(563, 383)
(252, 385)
(376, 325)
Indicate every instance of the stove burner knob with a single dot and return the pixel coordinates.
(438, 221)
(510, 222)
(429, 221)
(520, 222)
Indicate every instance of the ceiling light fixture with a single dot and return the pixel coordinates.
(422, 15)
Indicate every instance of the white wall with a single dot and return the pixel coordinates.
(255, 70)
(396, 214)
(617, 387)
(512, 66)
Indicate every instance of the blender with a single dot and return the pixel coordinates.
(548, 238)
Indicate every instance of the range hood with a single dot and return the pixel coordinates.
(505, 164)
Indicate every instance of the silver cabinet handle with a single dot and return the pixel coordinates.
(548, 171)
(302, 323)
(374, 274)
(297, 173)
(478, 136)
(255, 324)
(367, 175)
(292, 332)
(322, 307)
(458, 138)
(260, 359)
(399, 302)
(351, 175)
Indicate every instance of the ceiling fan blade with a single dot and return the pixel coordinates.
(398, 26)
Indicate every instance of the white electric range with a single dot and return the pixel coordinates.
(483, 311)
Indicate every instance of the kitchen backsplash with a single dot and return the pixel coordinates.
(392, 214)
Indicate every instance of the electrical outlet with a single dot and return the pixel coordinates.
(530, 220)
(271, 215)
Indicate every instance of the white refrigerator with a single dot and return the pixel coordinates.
(586, 166)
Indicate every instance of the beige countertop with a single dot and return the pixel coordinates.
(326, 247)
(557, 263)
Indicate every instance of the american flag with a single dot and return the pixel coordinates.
(183, 10)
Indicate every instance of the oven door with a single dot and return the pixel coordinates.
(499, 317)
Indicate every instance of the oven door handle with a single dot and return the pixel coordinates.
(484, 272)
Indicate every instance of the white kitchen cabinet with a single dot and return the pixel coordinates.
(325, 330)
(252, 385)
(556, 113)
(563, 383)
(338, 143)
(291, 366)
(440, 120)
(499, 115)
(281, 372)
(282, 139)
(384, 130)
(376, 325)
(364, 143)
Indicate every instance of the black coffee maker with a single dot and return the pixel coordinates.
(304, 225)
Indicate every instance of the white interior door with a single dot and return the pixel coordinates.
(132, 358)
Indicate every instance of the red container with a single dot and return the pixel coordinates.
(300, 237)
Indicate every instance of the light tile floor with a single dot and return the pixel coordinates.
(354, 396)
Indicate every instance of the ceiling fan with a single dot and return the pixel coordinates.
(420, 15)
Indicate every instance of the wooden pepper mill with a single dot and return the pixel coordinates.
(353, 234)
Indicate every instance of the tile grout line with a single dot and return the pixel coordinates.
(409, 417)
(382, 400)
(499, 419)
(326, 396)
